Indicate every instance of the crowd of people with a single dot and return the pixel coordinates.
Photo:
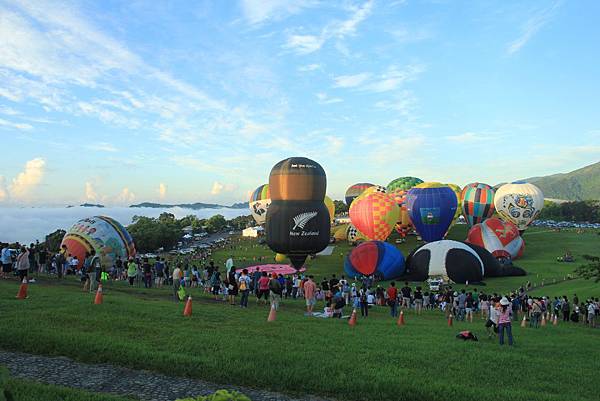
(364, 293)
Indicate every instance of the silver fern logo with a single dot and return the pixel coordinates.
(302, 219)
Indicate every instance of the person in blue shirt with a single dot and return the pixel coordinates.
(6, 261)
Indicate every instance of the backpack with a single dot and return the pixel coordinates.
(466, 335)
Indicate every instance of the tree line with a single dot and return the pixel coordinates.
(577, 211)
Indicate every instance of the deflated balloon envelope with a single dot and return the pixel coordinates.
(375, 257)
(298, 222)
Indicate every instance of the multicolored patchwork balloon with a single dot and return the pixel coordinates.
(103, 234)
(477, 202)
(374, 214)
(404, 225)
(375, 257)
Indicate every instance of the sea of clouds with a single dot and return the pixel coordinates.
(28, 224)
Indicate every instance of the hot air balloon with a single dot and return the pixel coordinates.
(403, 183)
(280, 257)
(375, 257)
(340, 232)
(354, 190)
(259, 203)
(330, 207)
(298, 222)
(457, 191)
(404, 225)
(374, 214)
(353, 235)
(477, 202)
(501, 238)
(431, 210)
(104, 235)
(519, 202)
(448, 259)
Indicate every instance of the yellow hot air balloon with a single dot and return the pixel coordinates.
(330, 207)
(280, 257)
(340, 233)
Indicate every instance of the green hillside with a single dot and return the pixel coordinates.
(581, 184)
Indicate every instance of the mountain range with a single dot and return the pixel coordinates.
(580, 184)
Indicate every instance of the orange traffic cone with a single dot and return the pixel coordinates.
(450, 317)
(187, 311)
(99, 299)
(524, 322)
(543, 320)
(272, 314)
(555, 321)
(22, 294)
(352, 321)
(401, 319)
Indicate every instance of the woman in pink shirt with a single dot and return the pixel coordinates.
(504, 321)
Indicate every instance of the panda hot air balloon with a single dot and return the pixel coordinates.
(298, 222)
(431, 209)
(519, 202)
(355, 190)
(477, 202)
(448, 259)
(375, 257)
(259, 203)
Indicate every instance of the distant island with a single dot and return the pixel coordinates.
(194, 206)
(89, 205)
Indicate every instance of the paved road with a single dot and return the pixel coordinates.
(125, 382)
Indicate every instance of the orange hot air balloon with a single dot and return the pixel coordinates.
(374, 214)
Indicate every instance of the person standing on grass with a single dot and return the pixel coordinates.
(310, 290)
(244, 286)
(176, 282)
(406, 290)
(469, 306)
(504, 321)
(23, 263)
(565, 308)
(232, 286)
(131, 271)
(418, 295)
(536, 313)
(6, 261)
(147, 269)
(392, 294)
(159, 271)
(275, 289)
(364, 302)
(94, 269)
(263, 287)
(461, 305)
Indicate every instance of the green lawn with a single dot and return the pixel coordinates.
(376, 360)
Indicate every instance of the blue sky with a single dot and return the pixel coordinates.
(120, 102)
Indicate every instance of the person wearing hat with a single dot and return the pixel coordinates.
(504, 321)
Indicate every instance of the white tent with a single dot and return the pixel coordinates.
(252, 232)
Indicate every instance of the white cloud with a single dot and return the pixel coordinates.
(394, 77)
(125, 197)
(103, 147)
(218, 188)
(28, 179)
(325, 99)
(3, 192)
(90, 192)
(467, 137)
(404, 103)
(17, 126)
(532, 26)
(335, 144)
(309, 67)
(8, 111)
(162, 190)
(305, 44)
(351, 81)
(260, 11)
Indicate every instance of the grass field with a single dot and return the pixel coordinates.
(376, 360)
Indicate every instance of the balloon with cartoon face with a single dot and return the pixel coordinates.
(519, 202)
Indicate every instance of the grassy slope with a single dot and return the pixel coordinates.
(375, 360)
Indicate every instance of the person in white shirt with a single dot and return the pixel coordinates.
(74, 263)
(176, 282)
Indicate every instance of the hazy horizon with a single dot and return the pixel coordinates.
(26, 224)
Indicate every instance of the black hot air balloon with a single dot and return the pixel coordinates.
(298, 221)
